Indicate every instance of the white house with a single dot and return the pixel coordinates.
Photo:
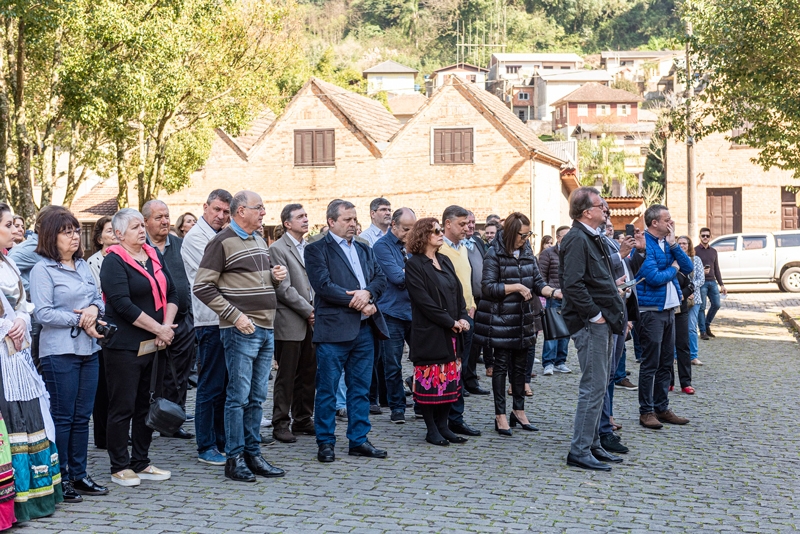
(391, 77)
(643, 67)
(464, 71)
(551, 86)
(507, 70)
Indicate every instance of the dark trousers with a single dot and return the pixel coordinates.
(128, 378)
(293, 391)
(657, 336)
(682, 351)
(511, 363)
(36, 330)
(392, 354)
(377, 388)
(212, 381)
(182, 351)
(468, 370)
(100, 411)
(531, 358)
(456, 415)
(72, 382)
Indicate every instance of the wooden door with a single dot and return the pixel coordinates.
(724, 211)
(789, 211)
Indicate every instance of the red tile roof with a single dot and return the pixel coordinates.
(101, 201)
(594, 92)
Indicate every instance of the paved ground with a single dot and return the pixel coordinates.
(734, 468)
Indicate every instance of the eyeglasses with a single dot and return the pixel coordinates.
(525, 235)
(437, 231)
(260, 207)
(705, 236)
(595, 206)
(71, 232)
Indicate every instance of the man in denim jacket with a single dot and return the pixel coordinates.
(659, 297)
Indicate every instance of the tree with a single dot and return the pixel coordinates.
(601, 161)
(748, 53)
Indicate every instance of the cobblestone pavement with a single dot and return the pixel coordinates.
(734, 468)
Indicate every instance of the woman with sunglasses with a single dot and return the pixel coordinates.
(67, 305)
(506, 320)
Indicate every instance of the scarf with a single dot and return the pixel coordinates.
(158, 284)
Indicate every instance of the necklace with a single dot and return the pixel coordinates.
(141, 262)
(260, 265)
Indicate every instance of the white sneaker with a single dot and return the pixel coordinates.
(266, 422)
(537, 360)
(548, 369)
(562, 368)
(152, 472)
(126, 477)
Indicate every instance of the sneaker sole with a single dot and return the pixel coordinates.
(157, 478)
(126, 483)
(626, 388)
(547, 374)
(210, 462)
(564, 372)
(399, 422)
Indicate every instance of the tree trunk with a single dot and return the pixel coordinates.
(122, 177)
(3, 128)
(48, 176)
(142, 162)
(25, 206)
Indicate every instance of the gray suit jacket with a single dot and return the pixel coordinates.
(294, 294)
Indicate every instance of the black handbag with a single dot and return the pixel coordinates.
(164, 415)
(553, 324)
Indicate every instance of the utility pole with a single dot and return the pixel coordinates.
(691, 185)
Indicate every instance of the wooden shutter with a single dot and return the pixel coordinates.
(314, 148)
(724, 210)
(453, 146)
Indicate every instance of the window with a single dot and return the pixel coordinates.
(736, 132)
(521, 114)
(472, 78)
(548, 67)
(603, 110)
(565, 68)
(558, 113)
(787, 240)
(623, 110)
(751, 242)
(87, 229)
(583, 110)
(314, 148)
(452, 146)
(725, 245)
(524, 95)
(512, 69)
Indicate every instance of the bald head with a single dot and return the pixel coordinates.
(403, 220)
(247, 210)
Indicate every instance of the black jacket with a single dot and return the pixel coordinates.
(507, 321)
(548, 264)
(431, 322)
(587, 282)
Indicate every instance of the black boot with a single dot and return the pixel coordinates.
(259, 466)
(70, 495)
(236, 469)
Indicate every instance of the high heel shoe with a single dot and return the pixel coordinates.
(502, 431)
(513, 420)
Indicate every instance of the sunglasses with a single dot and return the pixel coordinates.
(705, 236)
(525, 235)
(437, 231)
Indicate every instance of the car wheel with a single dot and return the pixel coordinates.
(790, 280)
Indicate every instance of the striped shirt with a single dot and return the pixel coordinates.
(234, 277)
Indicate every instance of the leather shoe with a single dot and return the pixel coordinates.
(259, 466)
(649, 420)
(588, 463)
(374, 409)
(670, 417)
(613, 443)
(236, 469)
(477, 390)
(307, 430)
(463, 428)
(465, 393)
(366, 449)
(284, 435)
(70, 495)
(326, 454)
(604, 456)
(180, 434)
(87, 486)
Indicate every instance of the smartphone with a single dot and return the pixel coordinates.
(630, 230)
(630, 284)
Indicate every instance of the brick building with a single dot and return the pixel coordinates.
(594, 103)
(462, 146)
(733, 193)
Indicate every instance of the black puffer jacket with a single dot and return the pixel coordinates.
(507, 321)
(548, 265)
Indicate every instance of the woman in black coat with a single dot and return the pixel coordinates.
(505, 319)
(438, 316)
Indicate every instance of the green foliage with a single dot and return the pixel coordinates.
(626, 85)
(601, 160)
(748, 53)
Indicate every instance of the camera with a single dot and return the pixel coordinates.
(106, 330)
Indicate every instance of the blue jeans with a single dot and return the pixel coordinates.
(341, 394)
(622, 370)
(637, 345)
(209, 410)
(554, 352)
(72, 384)
(694, 313)
(356, 359)
(249, 360)
(392, 353)
(710, 291)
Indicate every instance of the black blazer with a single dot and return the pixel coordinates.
(431, 323)
(331, 276)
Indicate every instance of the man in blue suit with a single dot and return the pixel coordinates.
(347, 281)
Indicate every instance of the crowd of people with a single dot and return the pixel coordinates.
(97, 338)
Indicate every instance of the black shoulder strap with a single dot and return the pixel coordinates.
(154, 375)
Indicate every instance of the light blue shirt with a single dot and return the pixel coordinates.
(238, 229)
(448, 242)
(25, 256)
(372, 234)
(351, 254)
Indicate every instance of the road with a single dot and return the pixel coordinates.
(734, 468)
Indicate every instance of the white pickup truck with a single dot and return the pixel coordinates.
(760, 257)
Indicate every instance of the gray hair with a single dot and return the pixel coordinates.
(123, 218)
(239, 199)
(219, 194)
(147, 209)
(653, 213)
(453, 212)
(398, 214)
(377, 203)
(581, 200)
(335, 208)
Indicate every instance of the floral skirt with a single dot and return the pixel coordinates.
(439, 383)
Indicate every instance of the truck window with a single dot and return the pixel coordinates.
(725, 245)
(787, 240)
(754, 242)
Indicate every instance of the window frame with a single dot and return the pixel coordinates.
(606, 110)
(527, 95)
(451, 128)
(583, 110)
(314, 162)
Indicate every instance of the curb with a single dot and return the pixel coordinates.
(791, 320)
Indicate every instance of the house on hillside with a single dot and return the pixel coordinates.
(548, 87)
(733, 193)
(507, 70)
(465, 71)
(645, 68)
(391, 77)
(404, 106)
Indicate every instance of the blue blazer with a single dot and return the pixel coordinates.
(331, 276)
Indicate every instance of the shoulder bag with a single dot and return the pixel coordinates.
(164, 415)
(553, 324)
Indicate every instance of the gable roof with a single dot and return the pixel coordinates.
(390, 67)
(100, 201)
(639, 54)
(536, 56)
(462, 65)
(594, 92)
(406, 104)
(257, 130)
(581, 75)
